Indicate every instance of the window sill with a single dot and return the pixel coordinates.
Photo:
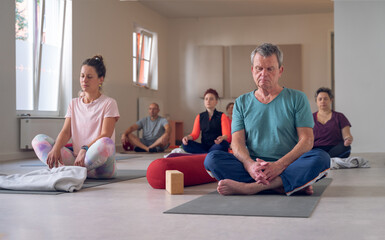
(144, 87)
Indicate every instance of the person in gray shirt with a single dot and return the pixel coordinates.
(156, 132)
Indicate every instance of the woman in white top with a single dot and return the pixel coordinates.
(90, 123)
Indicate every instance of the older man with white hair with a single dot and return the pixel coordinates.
(272, 136)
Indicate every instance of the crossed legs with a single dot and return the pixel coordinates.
(234, 179)
(99, 160)
(195, 147)
(135, 141)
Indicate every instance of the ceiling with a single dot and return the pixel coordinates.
(235, 8)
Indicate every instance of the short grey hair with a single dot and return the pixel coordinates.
(267, 50)
(325, 90)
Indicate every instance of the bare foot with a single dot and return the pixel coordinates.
(279, 190)
(308, 190)
(231, 187)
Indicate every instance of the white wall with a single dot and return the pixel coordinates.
(311, 31)
(360, 71)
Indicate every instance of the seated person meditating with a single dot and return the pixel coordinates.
(272, 136)
(331, 129)
(229, 110)
(156, 132)
(90, 122)
(214, 125)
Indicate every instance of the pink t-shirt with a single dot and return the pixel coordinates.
(87, 119)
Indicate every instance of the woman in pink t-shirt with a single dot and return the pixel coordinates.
(90, 123)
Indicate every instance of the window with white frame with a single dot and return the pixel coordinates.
(145, 59)
(43, 55)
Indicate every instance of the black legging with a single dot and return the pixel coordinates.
(195, 147)
(339, 150)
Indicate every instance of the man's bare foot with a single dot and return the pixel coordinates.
(279, 190)
(231, 187)
(308, 190)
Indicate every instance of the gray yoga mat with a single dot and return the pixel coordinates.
(122, 175)
(124, 157)
(265, 204)
(40, 164)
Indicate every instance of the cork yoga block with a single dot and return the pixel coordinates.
(174, 182)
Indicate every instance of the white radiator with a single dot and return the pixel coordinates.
(30, 127)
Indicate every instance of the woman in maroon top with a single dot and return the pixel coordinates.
(331, 129)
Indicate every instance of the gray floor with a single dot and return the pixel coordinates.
(352, 207)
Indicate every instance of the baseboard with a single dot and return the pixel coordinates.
(17, 155)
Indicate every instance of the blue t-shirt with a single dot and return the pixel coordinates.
(152, 130)
(271, 129)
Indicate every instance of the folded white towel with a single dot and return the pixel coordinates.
(66, 178)
(350, 162)
(176, 150)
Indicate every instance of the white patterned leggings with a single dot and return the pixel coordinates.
(99, 160)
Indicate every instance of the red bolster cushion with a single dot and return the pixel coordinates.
(191, 166)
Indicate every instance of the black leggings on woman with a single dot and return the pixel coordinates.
(339, 150)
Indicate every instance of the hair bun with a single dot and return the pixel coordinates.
(98, 58)
(98, 63)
